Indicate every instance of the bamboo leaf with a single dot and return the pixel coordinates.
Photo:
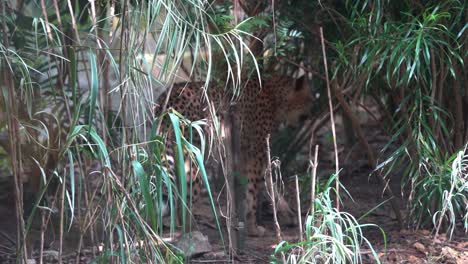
(93, 88)
(145, 192)
(180, 162)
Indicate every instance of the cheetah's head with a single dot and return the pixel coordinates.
(298, 103)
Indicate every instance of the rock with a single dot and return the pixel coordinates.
(420, 247)
(193, 244)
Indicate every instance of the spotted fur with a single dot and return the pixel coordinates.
(259, 112)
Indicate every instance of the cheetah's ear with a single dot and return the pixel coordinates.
(301, 83)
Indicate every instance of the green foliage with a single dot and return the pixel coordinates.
(445, 189)
(331, 236)
(405, 48)
(256, 23)
(220, 15)
(408, 56)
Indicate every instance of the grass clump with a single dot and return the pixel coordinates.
(331, 236)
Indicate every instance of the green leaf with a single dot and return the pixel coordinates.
(122, 244)
(204, 176)
(93, 89)
(145, 192)
(180, 162)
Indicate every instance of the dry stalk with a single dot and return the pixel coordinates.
(332, 120)
(43, 229)
(314, 177)
(228, 165)
(15, 151)
(46, 19)
(299, 217)
(62, 210)
(94, 21)
(269, 182)
(73, 20)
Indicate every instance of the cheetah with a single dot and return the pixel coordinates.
(260, 110)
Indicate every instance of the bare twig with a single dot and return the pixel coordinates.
(332, 120)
